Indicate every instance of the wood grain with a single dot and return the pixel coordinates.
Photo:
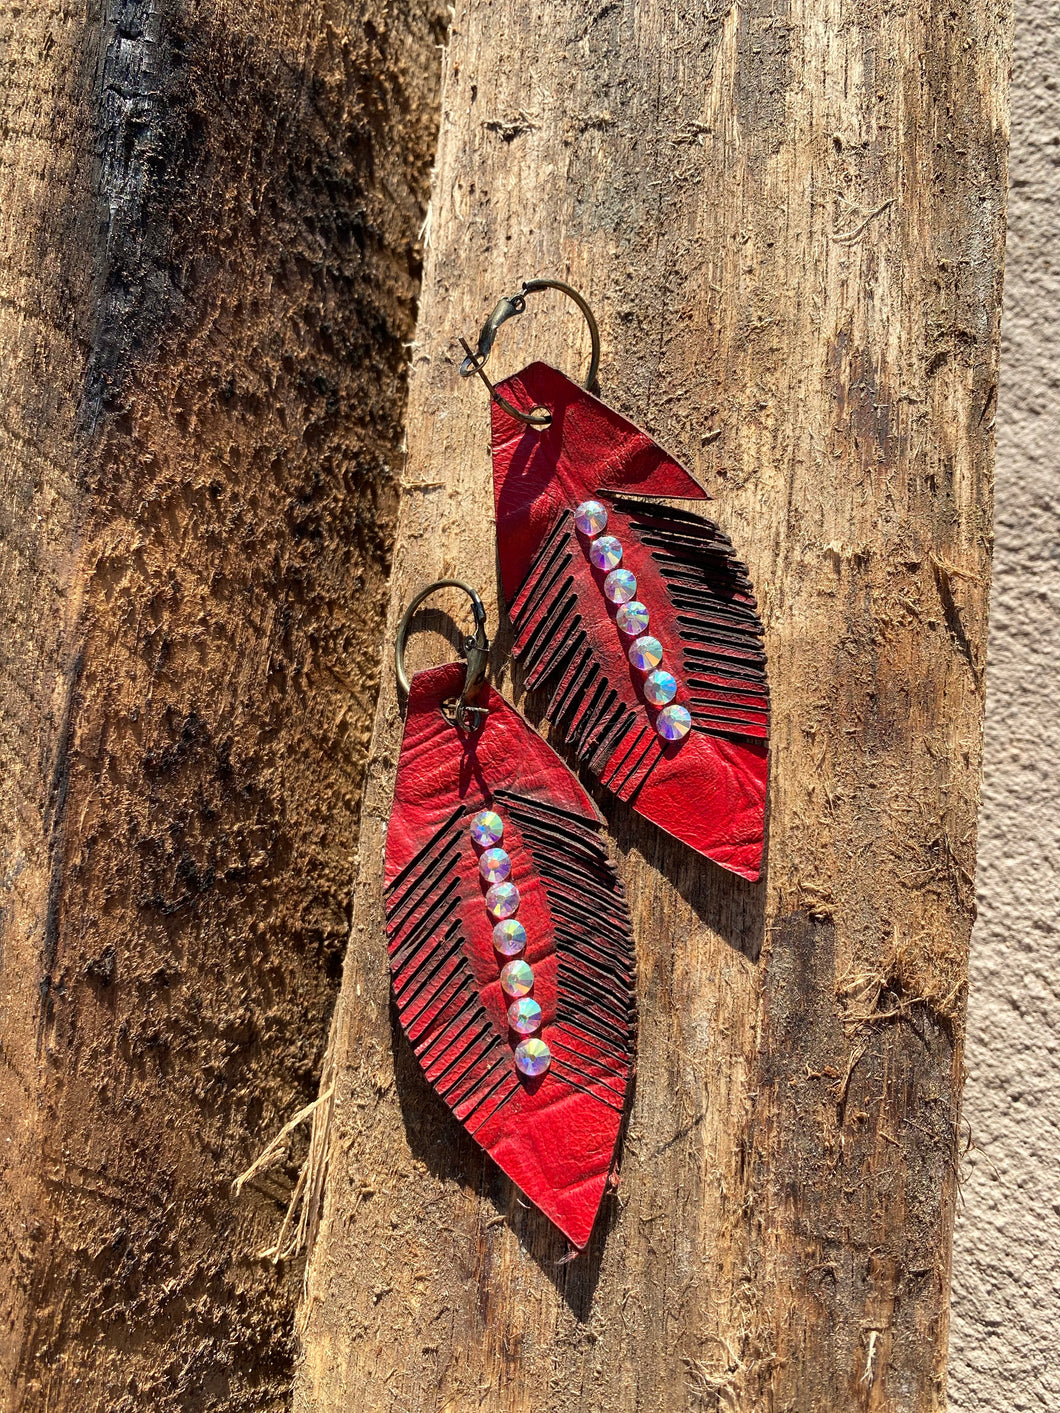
(789, 219)
(208, 266)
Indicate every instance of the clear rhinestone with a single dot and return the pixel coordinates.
(620, 585)
(532, 1057)
(524, 1016)
(503, 899)
(646, 653)
(673, 723)
(486, 828)
(517, 979)
(632, 618)
(590, 517)
(660, 687)
(605, 552)
(509, 937)
(495, 865)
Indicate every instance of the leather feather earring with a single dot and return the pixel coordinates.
(636, 615)
(510, 942)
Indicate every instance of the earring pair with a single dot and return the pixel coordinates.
(510, 941)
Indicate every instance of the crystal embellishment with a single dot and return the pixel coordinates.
(660, 687)
(590, 517)
(495, 865)
(509, 937)
(605, 552)
(524, 1016)
(632, 618)
(646, 653)
(532, 1057)
(486, 828)
(673, 723)
(517, 979)
(620, 585)
(503, 900)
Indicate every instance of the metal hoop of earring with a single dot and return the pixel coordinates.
(475, 647)
(507, 307)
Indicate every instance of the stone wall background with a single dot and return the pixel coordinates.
(1006, 1279)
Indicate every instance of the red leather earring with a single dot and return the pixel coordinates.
(511, 949)
(636, 615)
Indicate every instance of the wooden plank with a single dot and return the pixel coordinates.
(208, 271)
(789, 219)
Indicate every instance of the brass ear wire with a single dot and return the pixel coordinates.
(507, 307)
(476, 649)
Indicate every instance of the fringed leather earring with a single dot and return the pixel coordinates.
(636, 615)
(511, 949)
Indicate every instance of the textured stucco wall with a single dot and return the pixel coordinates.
(1005, 1331)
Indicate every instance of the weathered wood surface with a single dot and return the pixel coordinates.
(208, 268)
(789, 219)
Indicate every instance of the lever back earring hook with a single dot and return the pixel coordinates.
(475, 647)
(507, 307)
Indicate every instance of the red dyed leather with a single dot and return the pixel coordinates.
(709, 789)
(554, 1136)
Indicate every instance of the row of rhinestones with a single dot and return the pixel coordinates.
(532, 1055)
(645, 652)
